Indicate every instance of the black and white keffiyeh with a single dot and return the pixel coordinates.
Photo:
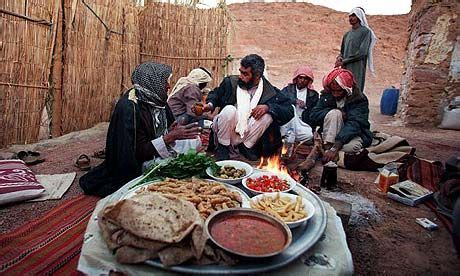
(150, 80)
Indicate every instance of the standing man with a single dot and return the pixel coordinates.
(303, 98)
(250, 108)
(357, 45)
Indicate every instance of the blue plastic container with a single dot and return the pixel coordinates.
(389, 101)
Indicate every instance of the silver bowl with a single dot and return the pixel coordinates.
(222, 214)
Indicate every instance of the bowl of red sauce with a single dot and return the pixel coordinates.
(268, 182)
(248, 232)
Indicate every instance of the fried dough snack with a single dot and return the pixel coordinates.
(281, 207)
(206, 196)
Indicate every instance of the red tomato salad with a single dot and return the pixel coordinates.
(268, 183)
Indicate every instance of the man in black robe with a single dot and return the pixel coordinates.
(138, 131)
(251, 112)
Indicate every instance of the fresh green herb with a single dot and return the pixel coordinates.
(185, 165)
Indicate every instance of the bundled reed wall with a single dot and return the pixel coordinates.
(185, 38)
(25, 45)
(72, 59)
(95, 59)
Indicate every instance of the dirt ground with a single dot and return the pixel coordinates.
(385, 239)
(290, 34)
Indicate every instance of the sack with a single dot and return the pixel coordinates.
(451, 115)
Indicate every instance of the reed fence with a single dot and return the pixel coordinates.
(63, 63)
(25, 45)
(185, 38)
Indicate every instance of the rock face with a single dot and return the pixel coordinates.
(287, 35)
(432, 64)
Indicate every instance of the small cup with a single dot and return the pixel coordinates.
(198, 109)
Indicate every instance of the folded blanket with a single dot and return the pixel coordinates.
(383, 150)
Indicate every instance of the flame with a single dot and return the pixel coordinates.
(284, 149)
(273, 164)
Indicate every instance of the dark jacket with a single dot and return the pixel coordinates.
(357, 116)
(279, 108)
(128, 145)
(312, 99)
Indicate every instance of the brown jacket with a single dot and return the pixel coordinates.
(183, 100)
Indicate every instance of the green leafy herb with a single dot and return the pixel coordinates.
(185, 165)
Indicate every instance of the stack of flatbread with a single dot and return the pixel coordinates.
(151, 225)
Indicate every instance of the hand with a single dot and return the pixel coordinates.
(329, 155)
(208, 107)
(300, 103)
(259, 111)
(182, 132)
(338, 62)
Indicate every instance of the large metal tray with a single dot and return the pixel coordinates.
(303, 238)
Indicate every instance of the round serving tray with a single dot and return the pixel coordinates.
(303, 238)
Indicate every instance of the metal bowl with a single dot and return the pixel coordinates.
(226, 213)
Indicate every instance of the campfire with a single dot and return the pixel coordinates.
(273, 164)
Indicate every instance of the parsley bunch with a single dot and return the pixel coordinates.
(185, 165)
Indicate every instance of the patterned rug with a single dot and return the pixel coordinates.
(50, 244)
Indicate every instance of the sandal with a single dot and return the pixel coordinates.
(99, 154)
(83, 162)
(29, 157)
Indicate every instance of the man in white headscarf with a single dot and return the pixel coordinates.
(186, 93)
(357, 46)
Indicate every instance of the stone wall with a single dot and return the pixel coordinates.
(432, 64)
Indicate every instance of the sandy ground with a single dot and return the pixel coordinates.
(385, 238)
(382, 235)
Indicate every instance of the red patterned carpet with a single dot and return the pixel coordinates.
(50, 244)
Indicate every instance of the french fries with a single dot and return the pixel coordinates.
(281, 207)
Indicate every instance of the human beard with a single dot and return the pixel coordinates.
(246, 85)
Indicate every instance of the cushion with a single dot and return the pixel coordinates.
(17, 182)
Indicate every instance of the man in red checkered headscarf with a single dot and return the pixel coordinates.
(303, 97)
(342, 113)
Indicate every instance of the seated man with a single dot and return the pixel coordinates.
(304, 98)
(138, 131)
(342, 112)
(186, 93)
(250, 106)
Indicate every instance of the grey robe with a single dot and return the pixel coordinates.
(354, 51)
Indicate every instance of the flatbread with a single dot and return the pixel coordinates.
(150, 225)
(154, 217)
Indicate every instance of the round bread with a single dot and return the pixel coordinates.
(154, 216)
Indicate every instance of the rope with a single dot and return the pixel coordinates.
(108, 30)
(185, 58)
(26, 85)
(36, 20)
